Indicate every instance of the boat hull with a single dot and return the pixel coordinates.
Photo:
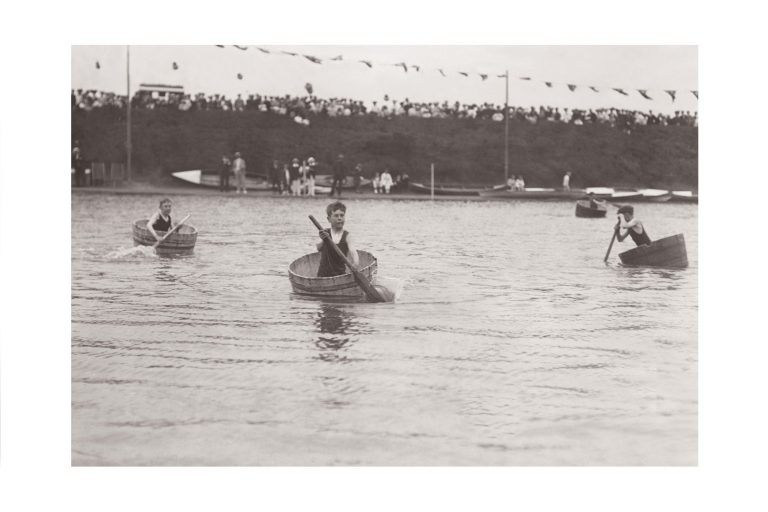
(302, 274)
(181, 242)
(534, 194)
(666, 252)
(210, 179)
(583, 209)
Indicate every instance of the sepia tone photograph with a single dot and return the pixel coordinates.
(384, 255)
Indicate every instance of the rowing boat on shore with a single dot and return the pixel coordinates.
(452, 191)
(584, 208)
(303, 276)
(653, 195)
(211, 179)
(326, 180)
(665, 252)
(534, 193)
(182, 241)
(684, 196)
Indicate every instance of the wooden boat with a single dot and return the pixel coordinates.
(584, 209)
(303, 276)
(684, 196)
(653, 195)
(665, 252)
(534, 193)
(210, 179)
(453, 191)
(182, 241)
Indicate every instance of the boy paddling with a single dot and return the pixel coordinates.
(330, 262)
(161, 219)
(634, 228)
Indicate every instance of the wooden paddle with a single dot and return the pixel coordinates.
(611, 244)
(372, 293)
(170, 231)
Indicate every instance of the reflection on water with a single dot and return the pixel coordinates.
(333, 323)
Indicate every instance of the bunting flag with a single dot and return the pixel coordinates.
(502, 76)
(289, 53)
(696, 93)
(441, 72)
(338, 57)
(672, 95)
(644, 94)
(175, 66)
(239, 76)
(594, 88)
(219, 46)
(308, 87)
(483, 77)
(572, 87)
(403, 64)
(313, 59)
(367, 63)
(620, 91)
(241, 47)
(386, 97)
(525, 78)
(98, 66)
(463, 73)
(417, 68)
(549, 84)
(263, 50)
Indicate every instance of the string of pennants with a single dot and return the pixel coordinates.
(483, 76)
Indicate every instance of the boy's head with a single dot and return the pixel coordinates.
(628, 211)
(165, 206)
(336, 213)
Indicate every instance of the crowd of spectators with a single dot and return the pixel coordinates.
(302, 108)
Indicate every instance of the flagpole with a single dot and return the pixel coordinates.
(506, 129)
(128, 117)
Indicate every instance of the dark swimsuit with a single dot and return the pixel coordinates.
(640, 238)
(162, 225)
(330, 262)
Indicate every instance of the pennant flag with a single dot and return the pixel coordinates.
(313, 59)
(175, 66)
(308, 87)
(644, 94)
(219, 46)
(417, 68)
(289, 53)
(98, 66)
(405, 66)
(386, 97)
(696, 93)
(483, 77)
(367, 63)
(593, 88)
(672, 95)
(463, 73)
(241, 47)
(441, 72)
(263, 50)
(620, 91)
(338, 57)
(524, 78)
(549, 84)
(239, 76)
(501, 76)
(572, 87)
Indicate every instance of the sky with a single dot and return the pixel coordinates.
(210, 69)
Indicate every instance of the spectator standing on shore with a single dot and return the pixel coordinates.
(511, 183)
(519, 184)
(376, 182)
(224, 171)
(77, 164)
(386, 181)
(295, 177)
(274, 177)
(286, 179)
(339, 174)
(238, 166)
(567, 181)
(311, 174)
(358, 177)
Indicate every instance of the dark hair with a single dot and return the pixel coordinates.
(165, 200)
(627, 209)
(338, 205)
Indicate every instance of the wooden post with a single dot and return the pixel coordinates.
(128, 116)
(506, 129)
(432, 186)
